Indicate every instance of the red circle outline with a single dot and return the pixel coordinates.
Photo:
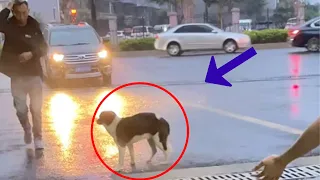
(184, 114)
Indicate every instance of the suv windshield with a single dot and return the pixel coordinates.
(73, 36)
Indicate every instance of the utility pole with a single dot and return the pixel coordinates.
(94, 14)
(143, 26)
(206, 13)
(268, 18)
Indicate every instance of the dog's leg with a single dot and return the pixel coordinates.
(153, 149)
(131, 151)
(122, 151)
(167, 153)
(166, 157)
(160, 146)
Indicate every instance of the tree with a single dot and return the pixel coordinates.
(207, 6)
(177, 6)
(253, 8)
(312, 11)
(64, 11)
(283, 12)
(221, 4)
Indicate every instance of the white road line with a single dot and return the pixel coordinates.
(249, 119)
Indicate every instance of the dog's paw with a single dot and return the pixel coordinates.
(118, 168)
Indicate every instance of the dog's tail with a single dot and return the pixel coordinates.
(164, 131)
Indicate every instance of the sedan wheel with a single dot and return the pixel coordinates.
(230, 46)
(174, 49)
(313, 45)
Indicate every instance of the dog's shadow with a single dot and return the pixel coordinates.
(148, 167)
(157, 167)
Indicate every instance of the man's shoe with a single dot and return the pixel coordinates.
(38, 145)
(27, 137)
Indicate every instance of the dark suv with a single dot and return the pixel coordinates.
(75, 52)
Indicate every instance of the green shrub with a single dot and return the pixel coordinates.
(137, 44)
(268, 36)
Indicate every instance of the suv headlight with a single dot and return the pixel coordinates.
(103, 54)
(58, 57)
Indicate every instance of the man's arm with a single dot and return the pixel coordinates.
(4, 14)
(308, 141)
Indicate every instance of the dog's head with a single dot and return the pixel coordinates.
(106, 118)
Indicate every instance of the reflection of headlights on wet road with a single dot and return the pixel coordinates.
(113, 103)
(111, 151)
(103, 54)
(58, 57)
(63, 111)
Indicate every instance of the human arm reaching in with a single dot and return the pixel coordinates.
(274, 165)
(4, 14)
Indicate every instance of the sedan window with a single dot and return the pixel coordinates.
(184, 29)
(203, 29)
(194, 29)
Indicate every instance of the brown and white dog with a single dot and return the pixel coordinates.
(129, 130)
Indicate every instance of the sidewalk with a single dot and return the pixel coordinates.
(4, 82)
(186, 174)
(164, 53)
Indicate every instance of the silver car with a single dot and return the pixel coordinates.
(199, 36)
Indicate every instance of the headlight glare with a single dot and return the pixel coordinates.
(58, 57)
(103, 54)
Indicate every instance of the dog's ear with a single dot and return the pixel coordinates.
(106, 117)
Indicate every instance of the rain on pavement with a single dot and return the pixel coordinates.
(263, 88)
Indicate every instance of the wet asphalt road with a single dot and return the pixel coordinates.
(278, 86)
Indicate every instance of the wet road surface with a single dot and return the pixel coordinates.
(274, 97)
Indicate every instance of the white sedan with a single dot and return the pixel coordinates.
(199, 36)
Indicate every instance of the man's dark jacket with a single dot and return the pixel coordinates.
(19, 39)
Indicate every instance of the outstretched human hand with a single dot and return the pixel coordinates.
(24, 57)
(273, 168)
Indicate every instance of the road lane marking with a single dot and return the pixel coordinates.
(261, 122)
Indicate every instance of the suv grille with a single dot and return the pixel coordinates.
(81, 58)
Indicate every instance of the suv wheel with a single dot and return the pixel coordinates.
(313, 44)
(107, 80)
(174, 49)
(230, 46)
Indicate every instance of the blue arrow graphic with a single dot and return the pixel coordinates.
(214, 75)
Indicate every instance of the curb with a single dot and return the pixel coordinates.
(163, 53)
(219, 170)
